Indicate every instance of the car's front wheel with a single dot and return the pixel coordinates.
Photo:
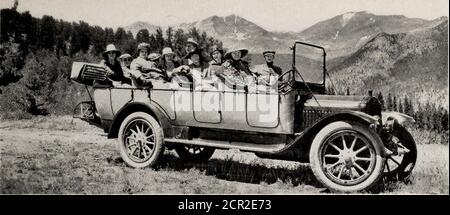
(194, 153)
(141, 140)
(347, 157)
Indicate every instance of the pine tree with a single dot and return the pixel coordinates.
(407, 105)
(400, 107)
(143, 36)
(418, 116)
(169, 35)
(389, 102)
(444, 120)
(381, 100)
(394, 103)
(159, 40)
(47, 33)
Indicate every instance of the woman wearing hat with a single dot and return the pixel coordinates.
(112, 65)
(236, 72)
(167, 62)
(142, 69)
(216, 55)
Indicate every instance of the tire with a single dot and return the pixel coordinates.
(361, 172)
(194, 153)
(134, 150)
(399, 167)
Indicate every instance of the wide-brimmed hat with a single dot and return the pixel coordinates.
(243, 52)
(126, 55)
(191, 40)
(268, 52)
(216, 48)
(154, 56)
(198, 51)
(143, 46)
(167, 50)
(111, 48)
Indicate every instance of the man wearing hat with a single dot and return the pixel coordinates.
(268, 73)
(191, 46)
(112, 65)
(140, 67)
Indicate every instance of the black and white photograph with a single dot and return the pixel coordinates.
(224, 97)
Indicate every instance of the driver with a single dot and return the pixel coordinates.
(144, 70)
(267, 73)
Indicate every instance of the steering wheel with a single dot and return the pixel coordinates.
(285, 87)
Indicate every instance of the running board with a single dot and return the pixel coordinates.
(250, 147)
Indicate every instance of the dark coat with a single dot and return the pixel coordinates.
(118, 72)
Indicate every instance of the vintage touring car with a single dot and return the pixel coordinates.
(348, 141)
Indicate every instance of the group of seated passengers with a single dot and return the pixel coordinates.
(150, 69)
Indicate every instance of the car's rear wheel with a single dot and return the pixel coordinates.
(141, 140)
(400, 163)
(194, 153)
(347, 157)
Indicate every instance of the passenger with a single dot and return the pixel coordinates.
(125, 61)
(268, 73)
(236, 72)
(191, 46)
(112, 66)
(198, 69)
(216, 55)
(167, 62)
(143, 70)
(154, 57)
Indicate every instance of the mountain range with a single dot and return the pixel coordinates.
(390, 54)
(340, 35)
(413, 64)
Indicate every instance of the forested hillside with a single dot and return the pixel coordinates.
(36, 56)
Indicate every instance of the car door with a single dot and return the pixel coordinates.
(262, 109)
(206, 106)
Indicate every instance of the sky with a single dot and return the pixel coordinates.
(272, 15)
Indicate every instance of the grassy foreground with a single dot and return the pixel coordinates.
(61, 155)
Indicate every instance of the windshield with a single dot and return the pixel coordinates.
(309, 63)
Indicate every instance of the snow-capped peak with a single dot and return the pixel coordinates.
(346, 17)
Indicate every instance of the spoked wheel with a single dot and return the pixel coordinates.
(194, 153)
(347, 157)
(141, 140)
(402, 156)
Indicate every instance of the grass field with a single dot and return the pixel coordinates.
(61, 155)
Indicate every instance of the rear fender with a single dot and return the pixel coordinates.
(132, 107)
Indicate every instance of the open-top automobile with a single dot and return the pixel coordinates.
(348, 141)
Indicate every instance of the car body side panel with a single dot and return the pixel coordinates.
(102, 98)
(163, 98)
(179, 108)
(235, 114)
(120, 97)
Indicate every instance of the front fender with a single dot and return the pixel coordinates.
(400, 118)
